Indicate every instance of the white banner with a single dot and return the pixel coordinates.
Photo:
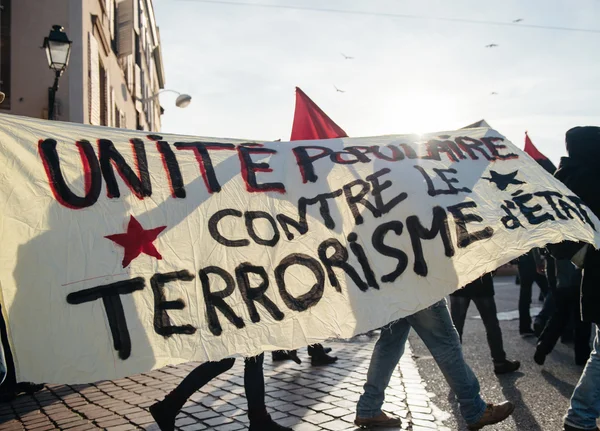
(123, 252)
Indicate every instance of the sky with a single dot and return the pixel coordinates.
(241, 65)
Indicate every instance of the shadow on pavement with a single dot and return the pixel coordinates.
(522, 415)
(565, 389)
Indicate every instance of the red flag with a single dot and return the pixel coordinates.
(544, 161)
(310, 122)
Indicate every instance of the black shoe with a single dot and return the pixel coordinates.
(527, 333)
(267, 424)
(163, 416)
(539, 356)
(323, 359)
(325, 350)
(286, 355)
(28, 388)
(506, 367)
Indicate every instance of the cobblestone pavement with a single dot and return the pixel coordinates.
(303, 397)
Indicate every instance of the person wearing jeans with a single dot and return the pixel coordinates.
(585, 402)
(435, 328)
(481, 292)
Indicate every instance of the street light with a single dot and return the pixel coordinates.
(58, 50)
(182, 100)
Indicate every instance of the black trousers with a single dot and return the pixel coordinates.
(254, 384)
(489, 315)
(528, 275)
(566, 304)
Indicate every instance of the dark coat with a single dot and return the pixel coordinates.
(482, 287)
(580, 172)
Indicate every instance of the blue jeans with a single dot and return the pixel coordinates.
(435, 328)
(585, 402)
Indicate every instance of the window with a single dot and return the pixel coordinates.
(5, 52)
(103, 97)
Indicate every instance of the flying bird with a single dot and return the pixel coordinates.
(518, 20)
(338, 90)
(491, 45)
(347, 57)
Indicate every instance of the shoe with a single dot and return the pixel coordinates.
(539, 356)
(506, 367)
(267, 424)
(380, 421)
(493, 414)
(325, 349)
(164, 418)
(323, 359)
(527, 333)
(26, 388)
(285, 355)
(572, 428)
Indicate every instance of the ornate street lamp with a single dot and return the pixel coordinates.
(58, 50)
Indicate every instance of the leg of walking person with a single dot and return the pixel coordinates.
(434, 326)
(254, 385)
(164, 412)
(585, 402)
(384, 359)
(489, 315)
(459, 305)
(555, 325)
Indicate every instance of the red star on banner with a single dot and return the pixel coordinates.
(136, 241)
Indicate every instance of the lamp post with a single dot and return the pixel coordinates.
(182, 100)
(58, 50)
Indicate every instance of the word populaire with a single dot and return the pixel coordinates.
(138, 178)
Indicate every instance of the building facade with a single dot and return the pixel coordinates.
(115, 68)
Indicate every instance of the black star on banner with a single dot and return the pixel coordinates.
(502, 181)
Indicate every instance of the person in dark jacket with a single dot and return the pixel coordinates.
(481, 292)
(580, 172)
(566, 297)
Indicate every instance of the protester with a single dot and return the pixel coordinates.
(530, 271)
(435, 328)
(481, 292)
(566, 301)
(318, 355)
(164, 412)
(579, 172)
